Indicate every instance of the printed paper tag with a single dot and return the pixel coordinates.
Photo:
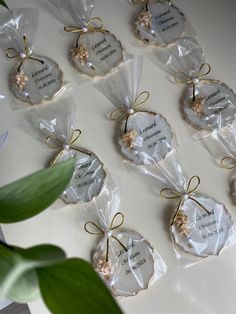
(87, 180)
(199, 233)
(36, 81)
(147, 138)
(97, 53)
(214, 107)
(126, 272)
(160, 23)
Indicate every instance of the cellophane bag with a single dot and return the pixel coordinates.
(207, 104)
(96, 51)
(201, 226)
(160, 23)
(56, 127)
(3, 134)
(221, 144)
(141, 130)
(35, 79)
(124, 259)
(3, 137)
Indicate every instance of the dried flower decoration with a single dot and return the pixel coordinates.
(80, 53)
(144, 19)
(198, 106)
(181, 222)
(103, 267)
(129, 138)
(21, 80)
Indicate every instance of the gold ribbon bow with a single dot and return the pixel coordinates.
(228, 163)
(107, 233)
(191, 188)
(12, 53)
(93, 25)
(55, 143)
(183, 78)
(125, 113)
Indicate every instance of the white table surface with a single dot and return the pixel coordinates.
(206, 288)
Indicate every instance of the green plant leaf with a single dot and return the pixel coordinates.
(29, 196)
(13, 285)
(18, 278)
(42, 253)
(72, 287)
(2, 2)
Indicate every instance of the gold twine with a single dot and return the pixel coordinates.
(12, 53)
(55, 143)
(103, 233)
(228, 163)
(183, 78)
(95, 24)
(122, 113)
(191, 188)
(125, 113)
(88, 27)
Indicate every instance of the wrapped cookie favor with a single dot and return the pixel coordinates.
(145, 136)
(96, 51)
(122, 257)
(160, 23)
(35, 78)
(201, 226)
(207, 104)
(55, 126)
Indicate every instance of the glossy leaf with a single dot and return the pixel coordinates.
(29, 196)
(2, 2)
(41, 253)
(73, 287)
(18, 278)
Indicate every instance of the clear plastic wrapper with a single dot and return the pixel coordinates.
(4, 134)
(221, 144)
(201, 226)
(55, 126)
(35, 78)
(122, 257)
(3, 137)
(144, 135)
(96, 51)
(161, 23)
(207, 104)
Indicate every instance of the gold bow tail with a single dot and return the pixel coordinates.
(95, 24)
(183, 78)
(191, 188)
(12, 53)
(124, 113)
(55, 143)
(228, 163)
(108, 233)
